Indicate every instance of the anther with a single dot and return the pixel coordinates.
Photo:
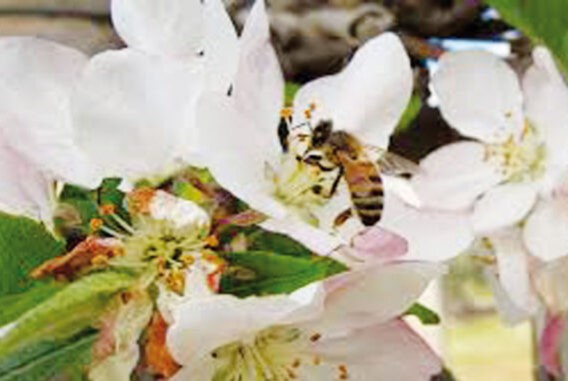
(212, 241)
(95, 224)
(286, 112)
(107, 209)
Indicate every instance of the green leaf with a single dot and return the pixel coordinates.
(263, 273)
(68, 312)
(15, 305)
(24, 245)
(277, 243)
(424, 314)
(87, 202)
(543, 20)
(66, 359)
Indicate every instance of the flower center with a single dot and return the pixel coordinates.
(279, 353)
(300, 185)
(519, 158)
(167, 231)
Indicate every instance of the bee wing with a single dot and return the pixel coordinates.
(395, 165)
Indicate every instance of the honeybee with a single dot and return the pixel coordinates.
(331, 150)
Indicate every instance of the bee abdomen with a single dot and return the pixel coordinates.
(369, 204)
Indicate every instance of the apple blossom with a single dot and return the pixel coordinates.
(516, 154)
(344, 328)
(238, 131)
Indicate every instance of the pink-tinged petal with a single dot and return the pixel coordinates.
(503, 206)
(373, 294)
(167, 27)
(421, 228)
(551, 344)
(513, 267)
(551, 281)
(546, 229)
(368, 97)
(36, 78)
(377, 244)
(480, 95)
(259, 84)
(454, 176)
(546, 95)
(133, 113)
(389, 351)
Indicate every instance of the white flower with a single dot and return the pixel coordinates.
(36, 134)
(519, 132)
(345, 328)
(238, 131)
(126, 113)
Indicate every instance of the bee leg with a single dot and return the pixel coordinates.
(336, 182)
(342, 218)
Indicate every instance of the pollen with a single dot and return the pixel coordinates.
(139, 200)
(176, 280)
(308, 113)
(313, 106)
(95, 224)
(107, 209)
(212, 241)
(286, 112)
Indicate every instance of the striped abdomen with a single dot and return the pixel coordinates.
(366, 188)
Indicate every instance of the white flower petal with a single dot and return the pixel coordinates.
(368, 97)
(259, 83)
(509, 311)
(546, 96)
(503, 206)
(479, 95)
(315, 239)
(234, 150)
(220, 47)
(203, 370)
(546, 229)
(374, 294)
(167, 27)
(453, 176)
(390, 351)
(203, 324)
(36, 78)
(133, 112)
(25, 190)
(512, 263)
(431, 235)
(552, 284)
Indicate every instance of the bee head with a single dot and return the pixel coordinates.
(321, 133)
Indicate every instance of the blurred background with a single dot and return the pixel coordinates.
(317, 37)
